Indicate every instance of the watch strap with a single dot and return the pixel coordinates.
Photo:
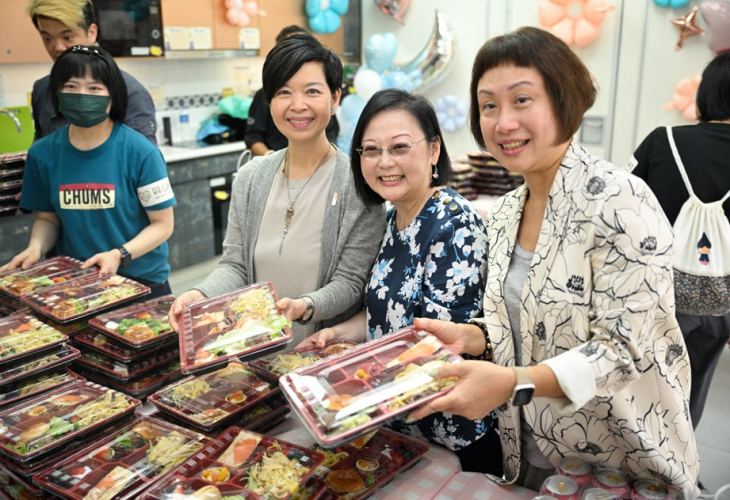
(524, 386)
(309, 311)
(126, 256)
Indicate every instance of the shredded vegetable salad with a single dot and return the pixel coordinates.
(285, 363)
(275, 476)
(26, 337)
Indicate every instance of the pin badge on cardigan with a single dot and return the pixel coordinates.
(289, 214)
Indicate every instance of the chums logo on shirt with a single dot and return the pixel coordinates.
(86, 196)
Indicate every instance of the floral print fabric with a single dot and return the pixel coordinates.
(598, 308)
(434, 268)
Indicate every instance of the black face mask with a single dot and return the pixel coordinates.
(83, 110)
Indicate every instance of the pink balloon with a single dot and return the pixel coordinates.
(394, 8)
(577, 24)
(717, 17)
(683, 99)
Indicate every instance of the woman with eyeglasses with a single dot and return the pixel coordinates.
(99, 189)
(432, 260)
(295, 218)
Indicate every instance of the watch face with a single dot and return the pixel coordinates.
(523, 396)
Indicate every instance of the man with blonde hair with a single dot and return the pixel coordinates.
(63, 24)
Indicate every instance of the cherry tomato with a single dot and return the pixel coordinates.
(397, 458)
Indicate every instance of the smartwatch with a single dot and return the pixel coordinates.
(126, 256)
(524, 387)
(307, 314)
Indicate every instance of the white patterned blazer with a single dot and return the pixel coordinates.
(598, 308)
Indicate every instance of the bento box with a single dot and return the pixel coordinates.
(84, 296)
(215, 399)
(123, 464)
(113, 348)
(26, 470)
(34, 385)
(347, 395)
(238, 324)
(273, 366)
(22, 336)
(17, 283)
(22, 369)
(123, 371)
(139, 387)
(273, 409)
(52, 419)
(70, 329)
(354, 470)
(18, 488)
(139, 326)
(240, 462)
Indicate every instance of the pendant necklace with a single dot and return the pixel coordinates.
(289, 214)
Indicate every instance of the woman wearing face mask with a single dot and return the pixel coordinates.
(296, 219)
(99, 189)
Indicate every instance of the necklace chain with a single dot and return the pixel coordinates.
(289, 213)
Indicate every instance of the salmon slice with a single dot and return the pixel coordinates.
(425, 347)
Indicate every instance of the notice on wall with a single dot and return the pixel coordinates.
(176, 39)
(249, 38)
(200, 38)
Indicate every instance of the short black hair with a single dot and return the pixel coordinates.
(289, 55)
(713, 95)
(567, 81)
(289, 31)
(78, 62)
(419, 108)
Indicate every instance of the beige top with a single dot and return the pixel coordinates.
(295, 271)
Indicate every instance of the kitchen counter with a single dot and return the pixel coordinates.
(175, 153)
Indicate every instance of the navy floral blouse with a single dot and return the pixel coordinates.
(432, 269)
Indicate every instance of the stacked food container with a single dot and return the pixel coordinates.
(33, 359)
(122, 464)
(42, 431)
(12, 167)
(132, 349)
(240, 464)
(462, 179)
(490, 176)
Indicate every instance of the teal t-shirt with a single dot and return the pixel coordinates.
(100, 196)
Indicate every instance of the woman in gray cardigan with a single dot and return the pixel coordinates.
(295, 217)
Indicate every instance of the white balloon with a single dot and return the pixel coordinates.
(367, 82)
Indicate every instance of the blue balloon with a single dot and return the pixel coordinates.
(380, 51)
(352, 107)
(397, 80)
(344, 140)
(675, 4)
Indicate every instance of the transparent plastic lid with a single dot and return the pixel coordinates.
(50, 420)
(119, 350)
(22, 335)
(142, 386)
(357, 468)
(140, 325)
(275, 365)
(126, 370)
(234, 325)
(240, 462)
(56, 358)
(122, 465)
(348, 394)
(212, 400)
(50, 272)
(84, 296)
(36, 384)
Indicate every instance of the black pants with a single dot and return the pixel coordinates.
(705, 337)
(484, 455)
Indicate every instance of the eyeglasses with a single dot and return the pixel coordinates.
(396, 150)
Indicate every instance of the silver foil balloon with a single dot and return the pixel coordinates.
(434, 61)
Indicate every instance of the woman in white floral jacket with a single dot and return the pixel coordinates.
(579, 302)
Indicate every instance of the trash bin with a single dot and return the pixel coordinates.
(221, 194)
